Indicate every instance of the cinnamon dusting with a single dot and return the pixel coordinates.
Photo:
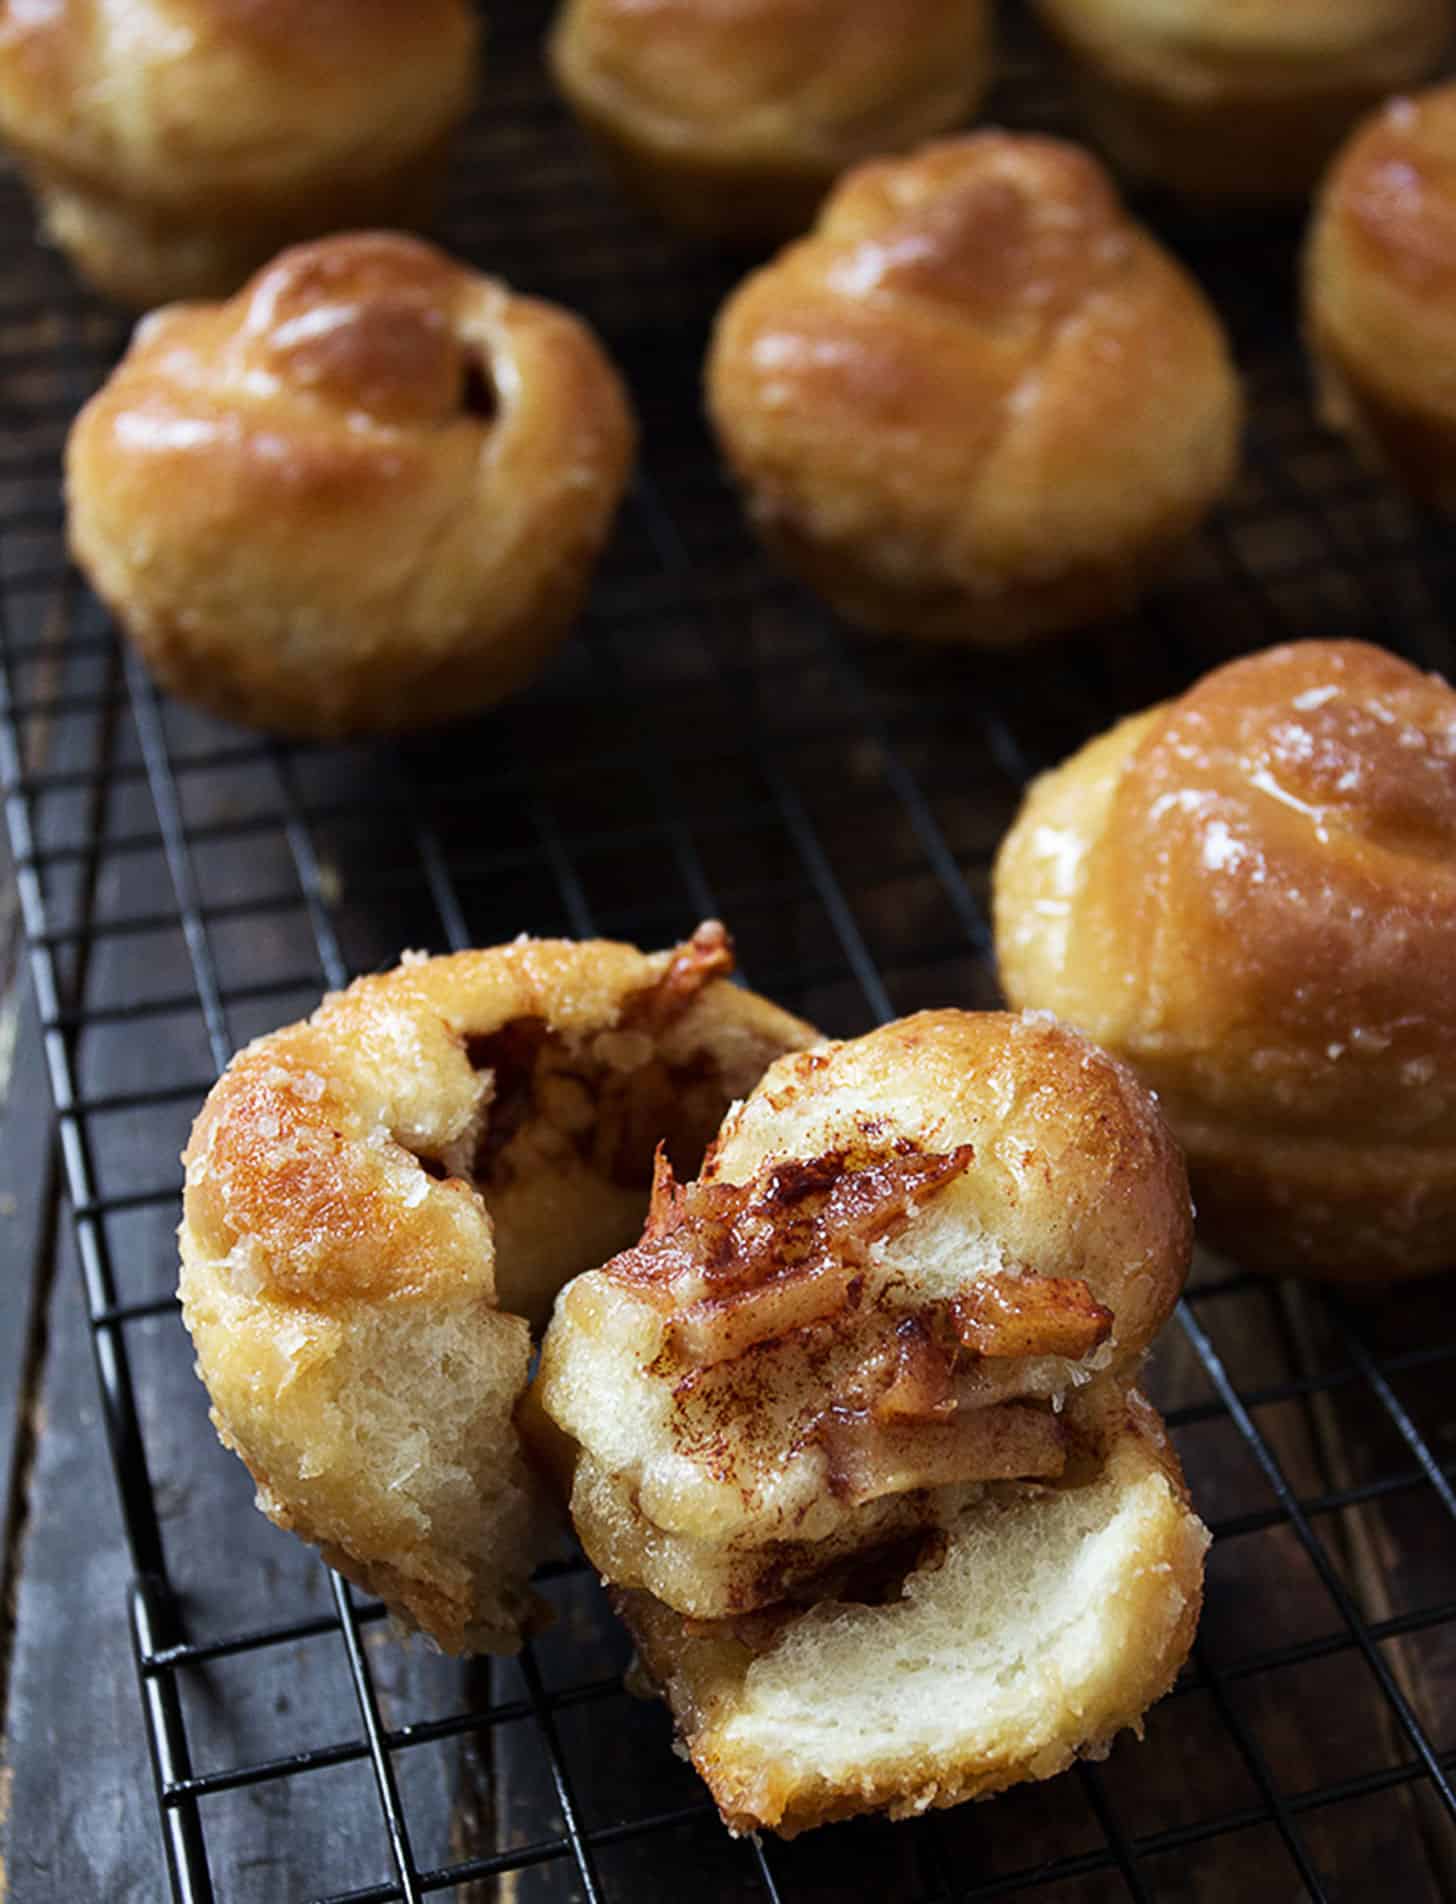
(795, 1220)
(741, 1270)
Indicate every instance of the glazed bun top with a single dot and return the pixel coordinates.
(981, 330)
(828, 79)
(341, 347)
(444, 446)
(369, 327)
(1256, 897)
(1394, 193)
(168, 98)
(1382, 259)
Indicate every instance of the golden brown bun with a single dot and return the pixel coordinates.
(906, 1254)
(1380, 292)
(1041, 1623)
(1241, 101)
(732, 118)
(366, 494)
(378, 1199)
(977, 403)
(1250, 894)
(177, 144)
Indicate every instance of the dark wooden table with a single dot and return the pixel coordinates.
(77, 1819)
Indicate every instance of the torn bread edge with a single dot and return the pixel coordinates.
(1047, 1621)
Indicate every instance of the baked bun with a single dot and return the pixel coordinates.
(732, 118)
(1249, 893)
(380, 1201)
(1030, 1631)
(364, 495)
(1380, 292)
(904, 1256)
(1240, 101)
(977, 403)
(175, 145)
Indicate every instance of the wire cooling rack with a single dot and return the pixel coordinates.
(710, 743)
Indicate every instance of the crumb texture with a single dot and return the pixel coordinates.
(379, 1201)
(1050, 1621)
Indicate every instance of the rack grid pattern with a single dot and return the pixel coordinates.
(710, 743)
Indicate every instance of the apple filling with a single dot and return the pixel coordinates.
(782, 1324)
(562, 1146)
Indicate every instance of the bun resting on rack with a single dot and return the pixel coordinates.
(175, 145)
(364, 495)
(380, 1203)
(904, 1256)
(978, 403)
(1249, 893)
(1380, 292)
(731, 119)
(1029, 1630)
(1240, 101)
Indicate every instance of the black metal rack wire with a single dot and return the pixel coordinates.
(711, 743)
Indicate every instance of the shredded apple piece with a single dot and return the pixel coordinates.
(606, 1098)
(784, 1251)
(922, 1385)
(796, 1220)
(1011, 1315)
(719, 1328)
(706, 956)
(868, 1458)
(740, 1267)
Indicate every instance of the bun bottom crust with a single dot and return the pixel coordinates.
(1248, 149)
(228, 668)
(140, 256)
(1416, 447)
(1008, 612)
(750, 204)
(1048, 1621)
(1335, 1212)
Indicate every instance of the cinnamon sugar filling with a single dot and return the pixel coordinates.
(604, 1100)
(921, 1393)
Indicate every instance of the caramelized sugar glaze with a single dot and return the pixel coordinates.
(1250, 894)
